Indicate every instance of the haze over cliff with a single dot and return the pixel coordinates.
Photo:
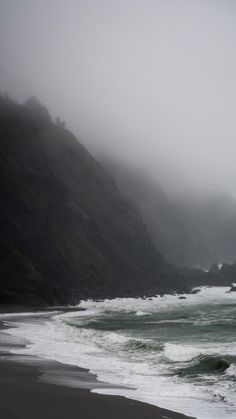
(148, 82)
(194, 232)
(65, 231)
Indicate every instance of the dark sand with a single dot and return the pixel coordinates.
(22, 396)
(31, 388)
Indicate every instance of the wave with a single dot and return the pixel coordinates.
(180, 353)
(231, 371)
(142, 313)
(169, 321)
(5, 316)
(205, 365)
(129, 361)
(206, 295)
(112, 341)
(143, 345)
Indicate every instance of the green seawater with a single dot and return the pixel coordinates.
(191, 340)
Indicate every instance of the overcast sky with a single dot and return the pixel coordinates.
(152, 81)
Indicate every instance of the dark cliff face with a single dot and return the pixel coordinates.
(65, 231)
(165, 222)
(192, 232)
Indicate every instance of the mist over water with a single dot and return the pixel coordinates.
(149, 82)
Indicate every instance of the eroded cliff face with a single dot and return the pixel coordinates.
(191, 231)
(64, 228)
(164, 221)
(66, 233)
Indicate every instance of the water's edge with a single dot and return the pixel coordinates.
(154, 350)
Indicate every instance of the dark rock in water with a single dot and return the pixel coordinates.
(182, 297)
(215, 268)
(233, 288)
(195, 291)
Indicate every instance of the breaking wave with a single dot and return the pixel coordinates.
(164, 347)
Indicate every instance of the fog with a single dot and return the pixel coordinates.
(151, 82)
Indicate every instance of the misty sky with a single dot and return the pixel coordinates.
(151, 81)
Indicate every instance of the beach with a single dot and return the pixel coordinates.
(24, 396)
(142, 358)
(34, 388)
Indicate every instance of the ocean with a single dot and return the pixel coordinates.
(174, 352)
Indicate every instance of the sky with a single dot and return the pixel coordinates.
(151, 82)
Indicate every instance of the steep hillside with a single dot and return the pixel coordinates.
(213, 218)
(65, 231)
(166, 223)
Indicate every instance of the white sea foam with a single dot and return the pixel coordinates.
(142, 313)
(231, 371)
(181, 353)
(207, 295)
(5, 316)
(112, 355)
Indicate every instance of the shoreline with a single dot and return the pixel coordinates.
(32, 387)
(25, 396)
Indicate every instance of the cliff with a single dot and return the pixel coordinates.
(65, 231)
(166, 222)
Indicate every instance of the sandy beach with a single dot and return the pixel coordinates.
(32, 388)
(23, 396)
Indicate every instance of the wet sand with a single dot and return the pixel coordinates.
(32, 388)
(23, 396)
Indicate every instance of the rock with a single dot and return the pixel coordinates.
(233, 288)
(215, 268)
(195, 291)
